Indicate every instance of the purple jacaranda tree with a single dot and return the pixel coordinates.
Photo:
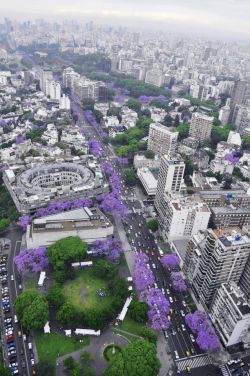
(25, 220)
(31, 260)
(110, 248)
(207, 342)
(171, 261)
(110, 204)
(159, 308)
(142, 275)
(178, 282)
(20, 139)
(200, 325)
(107, 168)
(233, 157)
(95, 148)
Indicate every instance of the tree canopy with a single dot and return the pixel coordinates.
(32, 309)
(137, 359)
(66, 251)
(153, 224)
(129, 176)
(138, 311)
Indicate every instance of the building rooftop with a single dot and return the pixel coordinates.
(231, 236)
(238, 298)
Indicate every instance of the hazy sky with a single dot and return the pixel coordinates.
(218, 16)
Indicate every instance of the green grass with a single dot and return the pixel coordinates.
(30, 283)
(82, 291)
(50, 346)
(131, 326)
(108, 352)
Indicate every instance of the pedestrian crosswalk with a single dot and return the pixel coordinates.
(225, 371)
(193, 362)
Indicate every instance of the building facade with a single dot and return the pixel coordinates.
(162, 140)
(201, 127)
(230, 314)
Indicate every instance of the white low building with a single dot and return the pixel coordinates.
(230, 314)
(148, 180)
(89, 224)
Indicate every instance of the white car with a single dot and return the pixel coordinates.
(182, 313)
(183, 327)
(176, 355)
(171, 299)
(30, 345)
(15, 319)
(12, 277)
(184, 303)
(168, 292)
(153, 266)
(192, 338)
(163, 291)
(32, 361)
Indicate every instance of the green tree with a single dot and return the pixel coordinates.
(65, 251)
(183, 130)
(168, 121)
(98, 116)
(246, 142)
(148, 334)
(32, 310)
(69, 362)
(5, 371)
(129, 176)
(219, 134)
(149, 154)
(77, 371)
(55, 297)
(44, 368)
(176, 121)
(138, 311)
(135, 134)
(152, 224)
(67, 314)
(4, 223)
(134, 104)
(137, 359)
(104, 269)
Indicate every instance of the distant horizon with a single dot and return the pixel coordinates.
(222, 19)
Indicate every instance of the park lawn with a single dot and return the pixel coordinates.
(82, 291)
(132, 326)
(30, 283)
(50, 345)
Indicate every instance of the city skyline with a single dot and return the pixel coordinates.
(223, 19)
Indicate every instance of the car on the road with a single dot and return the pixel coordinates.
(168, 292)
(7, 320)
(182, 313)
(19, 333)
(192, 337)
(170, 299)
(12, 277)
(15, 319)
(153, 266)
(183, 327)
(32, 360)
(176, 355)
(11, 352)
(30, 345)
(173, 332)
(187, 353)
(166, 334)
(184, 303)
(13, 364)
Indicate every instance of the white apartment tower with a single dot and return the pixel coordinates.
(162, 140)
(170, 180)
(220, 258)
(53, 89)
(44, 75)
(230, 314)
(183, 217)
(201, 127)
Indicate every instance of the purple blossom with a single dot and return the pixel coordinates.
(178, 282)
(95, 148)
(199, 323)
(25, 220)
(171, 261)
(31, 260)
(20, 139)
(110, 204)
(110, 248)
(233, 157)
(107, 168)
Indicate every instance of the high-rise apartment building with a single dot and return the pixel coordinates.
(230, 314)
(220, 258)
(201, 127)
(238, 97)
(154, 77)
(162, 140)
(182, 217)
(53, 89)
(44, 75)
(170, 179)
